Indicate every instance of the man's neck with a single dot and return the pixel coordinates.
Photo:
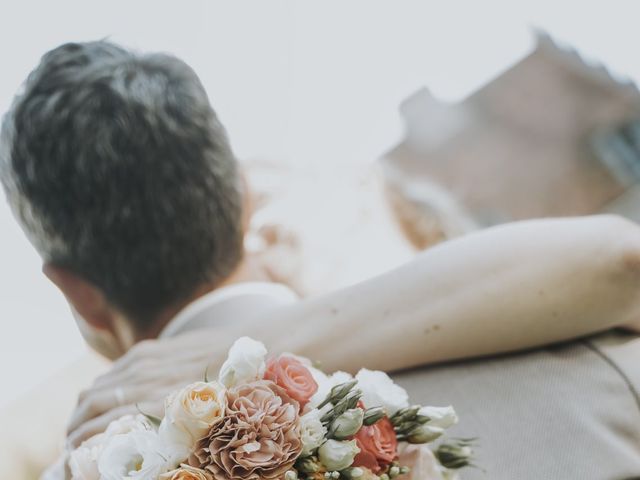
(249, 270)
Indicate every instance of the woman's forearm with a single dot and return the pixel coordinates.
(506, 288)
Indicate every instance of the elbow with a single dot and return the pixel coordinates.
(625, 240)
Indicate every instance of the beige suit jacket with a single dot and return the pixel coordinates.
(567, 412)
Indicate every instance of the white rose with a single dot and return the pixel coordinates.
(83, 461)
(312, 431)
(378, 390)
(190, 413)
(137, 455)
(337, 455)
(244, 364)
(441, 417)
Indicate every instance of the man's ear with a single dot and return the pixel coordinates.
(86, 299)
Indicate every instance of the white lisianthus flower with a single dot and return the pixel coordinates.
(312, 431)
(190, 413)
(245, 363)
(137, 455)
(337, 455)
(442, 417)
(83, 461)
(378, 390)
(128, 423)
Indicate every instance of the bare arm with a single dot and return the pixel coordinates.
(506, 288)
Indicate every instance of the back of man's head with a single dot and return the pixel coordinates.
(119, 171)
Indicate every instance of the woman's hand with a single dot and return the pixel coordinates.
(141, 379)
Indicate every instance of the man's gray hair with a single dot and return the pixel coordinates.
(118, 169)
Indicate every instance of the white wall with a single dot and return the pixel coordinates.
(311, 82)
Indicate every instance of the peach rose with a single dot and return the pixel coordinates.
(296, 379)
(185, 472)
(259, 438)
(378, 446)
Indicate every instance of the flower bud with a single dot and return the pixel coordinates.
(337, 455)
(456, 454)
(349, 401)
(404, 470)
(384, 476)
(291, 475)
(424, 434)
(422, 419)
(338, 392)
(347, 424)
(372, 415)
(307, 465)
(405, 427)
(353, 473)
(394, 471)
(405, 414)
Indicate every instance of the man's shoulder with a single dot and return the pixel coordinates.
(578, 398)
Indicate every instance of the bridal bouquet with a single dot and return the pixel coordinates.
(277, 418)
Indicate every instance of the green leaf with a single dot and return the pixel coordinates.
(153, 419)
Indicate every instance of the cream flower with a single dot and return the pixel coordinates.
(245, 363)
(190, 413)
(185, 472)
(378, 390)
(312, 431)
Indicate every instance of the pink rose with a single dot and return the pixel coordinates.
(378, 446)
(296, 379)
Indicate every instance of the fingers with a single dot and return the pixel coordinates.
(131, 388)
(137, 383)
(96, 403)
(147, 373)
(160, 353)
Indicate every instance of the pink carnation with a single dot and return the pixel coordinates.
(259, 438)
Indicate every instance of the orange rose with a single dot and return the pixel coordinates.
(378, 446)
(292, 376)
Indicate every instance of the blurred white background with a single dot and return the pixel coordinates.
(313, 84)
